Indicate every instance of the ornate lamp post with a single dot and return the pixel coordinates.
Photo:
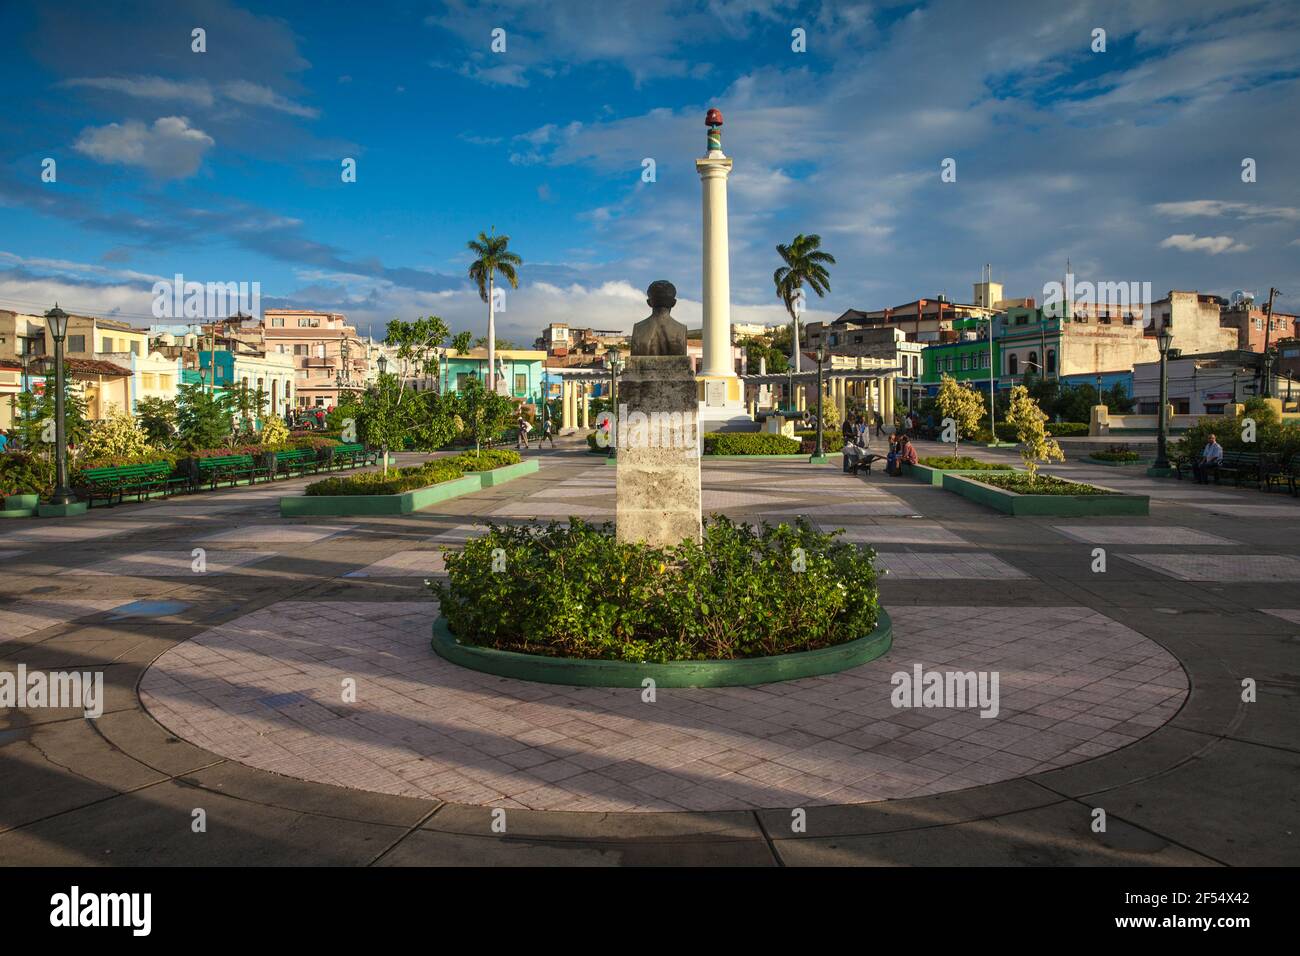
(1269, 356)
(615, 366)
(1163, 338)
(819, 453)
(58, 321)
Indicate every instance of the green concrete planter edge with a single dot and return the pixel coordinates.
(934, 476)
(72, 510)
(295, 506)
(1141, 462)
(18, 513)
(796, 455)
(1055, 506)
(22, 502)
(600, 673)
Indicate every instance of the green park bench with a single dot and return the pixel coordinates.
(1288, 474)
(232, 468)
(353, 456)
(1242, 465)
(119, 480)
(300, 460)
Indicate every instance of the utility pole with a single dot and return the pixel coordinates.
(1268, 329)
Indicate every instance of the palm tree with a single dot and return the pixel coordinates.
(493, 256)
(804, 262)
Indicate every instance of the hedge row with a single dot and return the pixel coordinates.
(750, 443)
(402, 480)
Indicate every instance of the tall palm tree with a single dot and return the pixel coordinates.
(493, 256)
(804, 262)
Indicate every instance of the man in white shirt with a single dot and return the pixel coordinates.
(1211, 457)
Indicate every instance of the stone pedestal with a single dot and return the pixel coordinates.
(658, 478)
(1099, 421)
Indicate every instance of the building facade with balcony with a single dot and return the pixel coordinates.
(328, 356)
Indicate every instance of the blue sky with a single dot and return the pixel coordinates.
(225, 165)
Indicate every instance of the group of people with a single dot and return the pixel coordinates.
(856, 432)
(524, 428)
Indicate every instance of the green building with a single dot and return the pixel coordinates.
(520, 368)
(966, 360)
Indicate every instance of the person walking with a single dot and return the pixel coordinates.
(524, 428)
(548, 433)
(880, 424)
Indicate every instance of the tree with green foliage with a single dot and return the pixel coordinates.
(1030, 423)
(382, 420)
(493, 256)
(157, 416)
(963, 405)
(33, 417)
(805, 263)
(203, 417)
(485, 414)
(418, 344)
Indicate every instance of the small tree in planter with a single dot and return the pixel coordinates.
(381, 418)
(1029, 422)
(963, 405)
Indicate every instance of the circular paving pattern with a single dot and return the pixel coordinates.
(268, 690)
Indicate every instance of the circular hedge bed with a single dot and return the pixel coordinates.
(740, 594)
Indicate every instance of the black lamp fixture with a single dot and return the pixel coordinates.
(615, 366)
(58, 325)
(383, 364)
(819, 452)
(1163, 339)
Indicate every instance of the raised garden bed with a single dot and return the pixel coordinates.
(1119, 462)
(1100, 501)
(578, 672)
(570, 604)
(932, 474)
(404, 502)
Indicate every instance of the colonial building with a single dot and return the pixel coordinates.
(328, 355)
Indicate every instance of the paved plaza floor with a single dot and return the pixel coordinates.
(226, 635)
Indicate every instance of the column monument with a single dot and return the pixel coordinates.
(721, 402)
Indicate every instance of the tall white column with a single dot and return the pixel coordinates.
(714, 170)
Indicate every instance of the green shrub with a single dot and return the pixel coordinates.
(485, 460)
(396, 482)
(749, 443)
(963, 463)
(1065, 429)
(575, 591)
(401, 480)
(1025, 484)
(22, 473)
(1116, 454)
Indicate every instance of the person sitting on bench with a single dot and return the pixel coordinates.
(903, 451)
(1210, 458)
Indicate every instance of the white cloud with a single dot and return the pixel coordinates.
(198, 94)
(171, 148)
(1214, 245)
(192, 92)
(255, 94)
(1217, 207)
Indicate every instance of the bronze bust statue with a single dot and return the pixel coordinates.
(659, 333)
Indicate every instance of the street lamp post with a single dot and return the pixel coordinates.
(63, 495)
(1163, 338)
(614, 367)
(819, 454)
(1268, 372)
(993, 388)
